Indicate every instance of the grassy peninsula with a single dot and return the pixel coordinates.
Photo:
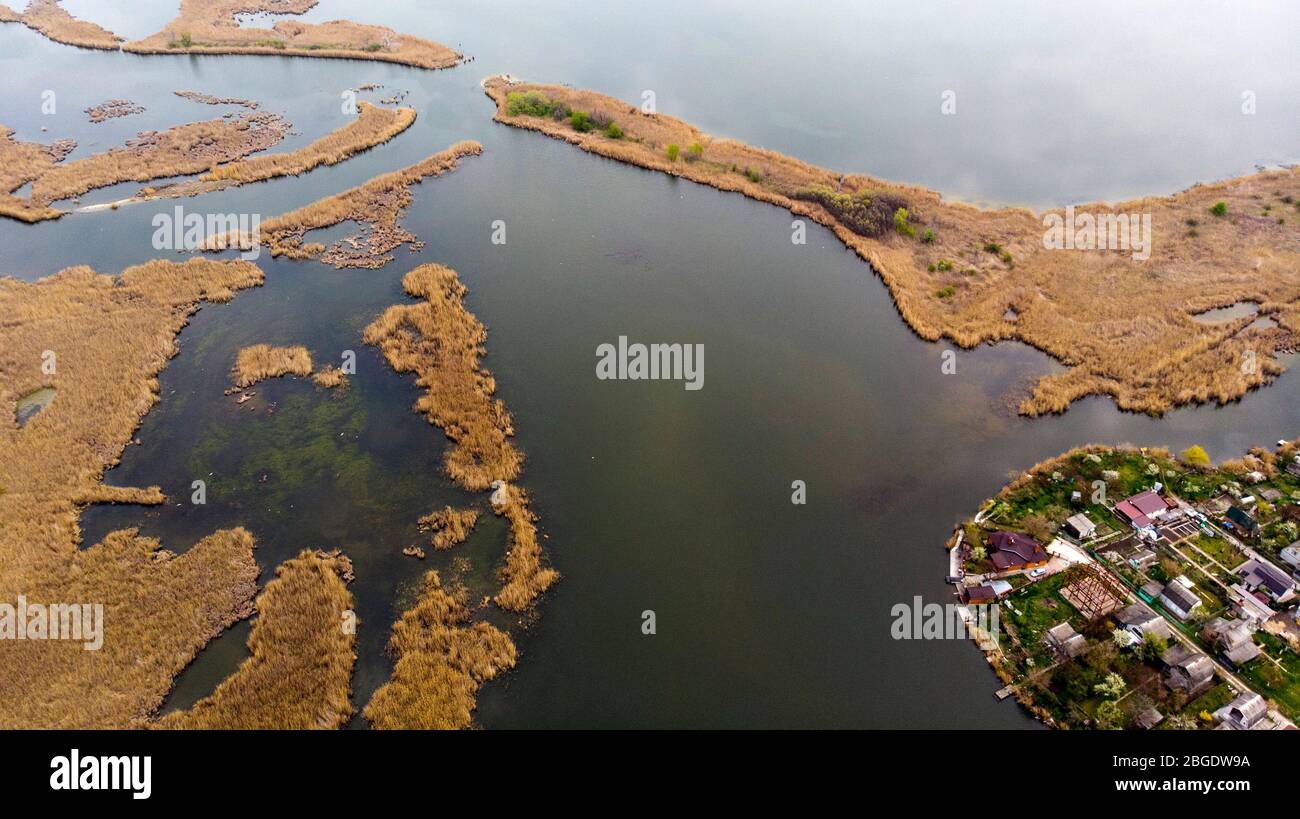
(1124, 326)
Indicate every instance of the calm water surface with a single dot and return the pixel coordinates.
(769, 614)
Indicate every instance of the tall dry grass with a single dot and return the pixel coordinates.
(330, 377)
(261, 361)
(524, 576)
(1123, 326)
(378, 205)
(299, 675)
(20, 163)
(179, 151)
(450, 526)
(442, 343)
(218, 149)
(100, 341)
(54, 22)
(209, 27)
(373, 126)
(440, 662)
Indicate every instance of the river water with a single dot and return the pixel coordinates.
(654, 497)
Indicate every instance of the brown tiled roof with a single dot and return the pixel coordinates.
(1012, 549)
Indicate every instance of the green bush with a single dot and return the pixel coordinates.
(928, 236)
(944, 264)
(1219, 209)
(186, 41)
(373, 47)
(695, 151)
(581, 121)
(613, 131)
(901, 224)
(947, 292)
(674, 151)
(866, 213)
(528, 103)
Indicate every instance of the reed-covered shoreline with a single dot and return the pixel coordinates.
(1123, 325)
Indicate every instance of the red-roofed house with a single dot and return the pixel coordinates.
(1143, 509)
(1013, 551)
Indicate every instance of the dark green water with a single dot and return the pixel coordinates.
(768, 614)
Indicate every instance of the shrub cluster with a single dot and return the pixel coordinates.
(867, 213)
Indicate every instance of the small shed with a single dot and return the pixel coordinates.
(1080, 526)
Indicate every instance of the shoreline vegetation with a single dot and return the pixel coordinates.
(52, 21)
(1123, 326)
(440, 658)
(373, 127)
(259, 362)
(218, 149)
(299, 674)
(99, 342)
(440, 661)
(262, 361)
(179, 151)
(440, 341)
(377, 205)
(449, 526)
(1090, 639)
(111, 336)
(211, 27)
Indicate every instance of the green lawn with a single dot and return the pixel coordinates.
(1281, 685)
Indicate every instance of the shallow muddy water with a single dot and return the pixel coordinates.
(654, 497)
(28, 406)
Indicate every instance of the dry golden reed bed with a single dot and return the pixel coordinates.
(450, 526)
(262, 361)
(1123, 326)
(100, 341)
(373, 126)
(300, 672)
(377, 204)
(441, 660)
(330, 377)
(442, 343)
(221, 148)
(209, 27)
(54, 22)
(20, 163)
(179, 151)
(524, 576)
